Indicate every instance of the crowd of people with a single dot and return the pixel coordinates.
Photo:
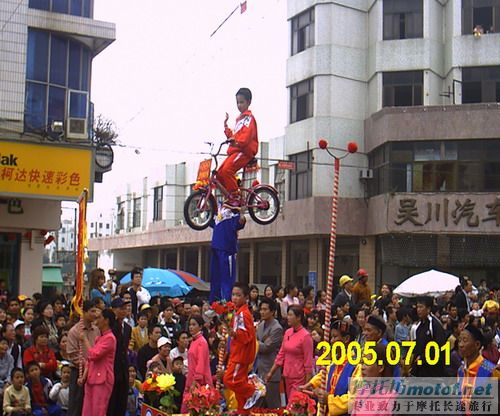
(52, 363)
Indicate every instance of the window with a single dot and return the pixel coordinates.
(301, 100)
(91, 225)
(481, 84)
(84, 8)
(100, 225)
(303, 31)
(403, 19)
(301, 177)
(136, 220)
(436, 166)
(107, 226)
(481, 14)
(403, 88)
(158, 203)
(57, 79)
(120, 216)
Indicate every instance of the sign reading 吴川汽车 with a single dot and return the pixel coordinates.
(450, 212)
(58, 172)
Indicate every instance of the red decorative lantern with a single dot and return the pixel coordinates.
(352, 147)
(323, 144)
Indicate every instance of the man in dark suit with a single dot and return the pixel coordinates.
(118, 401)
(269, 337)
(462, 300)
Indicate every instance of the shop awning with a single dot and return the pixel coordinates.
(52, 276)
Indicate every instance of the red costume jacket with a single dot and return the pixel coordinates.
(243, 343)
(244, 135)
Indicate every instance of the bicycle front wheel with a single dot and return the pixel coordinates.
(199, 209)
(264, 206)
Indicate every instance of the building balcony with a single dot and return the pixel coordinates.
(454, 122)
(95, 34)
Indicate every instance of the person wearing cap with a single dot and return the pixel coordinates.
(345, 294)
(163, 356)
(336, 395)
(428, 328)
(361, 291)
(474, 365)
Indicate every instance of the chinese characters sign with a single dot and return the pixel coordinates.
(445, 212)
(45, 170)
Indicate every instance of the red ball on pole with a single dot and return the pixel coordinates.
(323, 144)
(352, 147)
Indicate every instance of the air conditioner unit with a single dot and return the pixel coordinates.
(366, 174)
(77, 128)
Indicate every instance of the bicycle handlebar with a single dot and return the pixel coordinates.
(214, 155)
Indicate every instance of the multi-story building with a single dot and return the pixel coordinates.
(417, 84)
(46, 53)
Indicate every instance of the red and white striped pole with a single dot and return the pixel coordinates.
(222, 352)
(352, 148)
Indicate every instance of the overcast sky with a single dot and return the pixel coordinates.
(167, 84)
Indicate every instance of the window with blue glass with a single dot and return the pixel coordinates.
(57, 80)
(82, 8)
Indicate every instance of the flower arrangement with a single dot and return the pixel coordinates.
(301, 404)
(159, 392)
(224, 308)
(203, 400)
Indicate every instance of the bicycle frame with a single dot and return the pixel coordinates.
(214, 184)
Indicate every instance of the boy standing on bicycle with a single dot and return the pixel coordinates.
(243, 148)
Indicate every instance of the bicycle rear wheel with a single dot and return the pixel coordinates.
(199, 209)
(264, 206)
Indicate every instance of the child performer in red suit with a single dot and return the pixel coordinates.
(242, 349)
(244, 145)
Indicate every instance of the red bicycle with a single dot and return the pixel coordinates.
(261, 201)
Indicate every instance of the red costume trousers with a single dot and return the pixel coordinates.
(236, 379)
(227, 171)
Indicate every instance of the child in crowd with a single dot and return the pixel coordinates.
(59, 393)
(6, 363)
(39, 388)
(133, 393)
(180, 378)
(242, 350)
(60, 322)
(139, 336)
(16, 397)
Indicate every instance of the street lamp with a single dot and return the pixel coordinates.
(352, 147)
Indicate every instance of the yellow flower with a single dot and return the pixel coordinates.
(165, 381)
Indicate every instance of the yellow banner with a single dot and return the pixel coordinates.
(46, 170)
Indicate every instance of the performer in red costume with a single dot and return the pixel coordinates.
(244, 145)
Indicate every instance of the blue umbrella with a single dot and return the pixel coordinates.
(161, 282)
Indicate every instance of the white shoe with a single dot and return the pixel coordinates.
(257, 394)
(260, 391)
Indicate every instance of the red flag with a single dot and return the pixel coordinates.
(243, 7)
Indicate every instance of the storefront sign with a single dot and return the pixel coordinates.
(446, 212)
(42, 214)
(59, 172)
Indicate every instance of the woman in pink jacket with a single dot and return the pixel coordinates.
(99, 372)
(296, 353)
(198, 357)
